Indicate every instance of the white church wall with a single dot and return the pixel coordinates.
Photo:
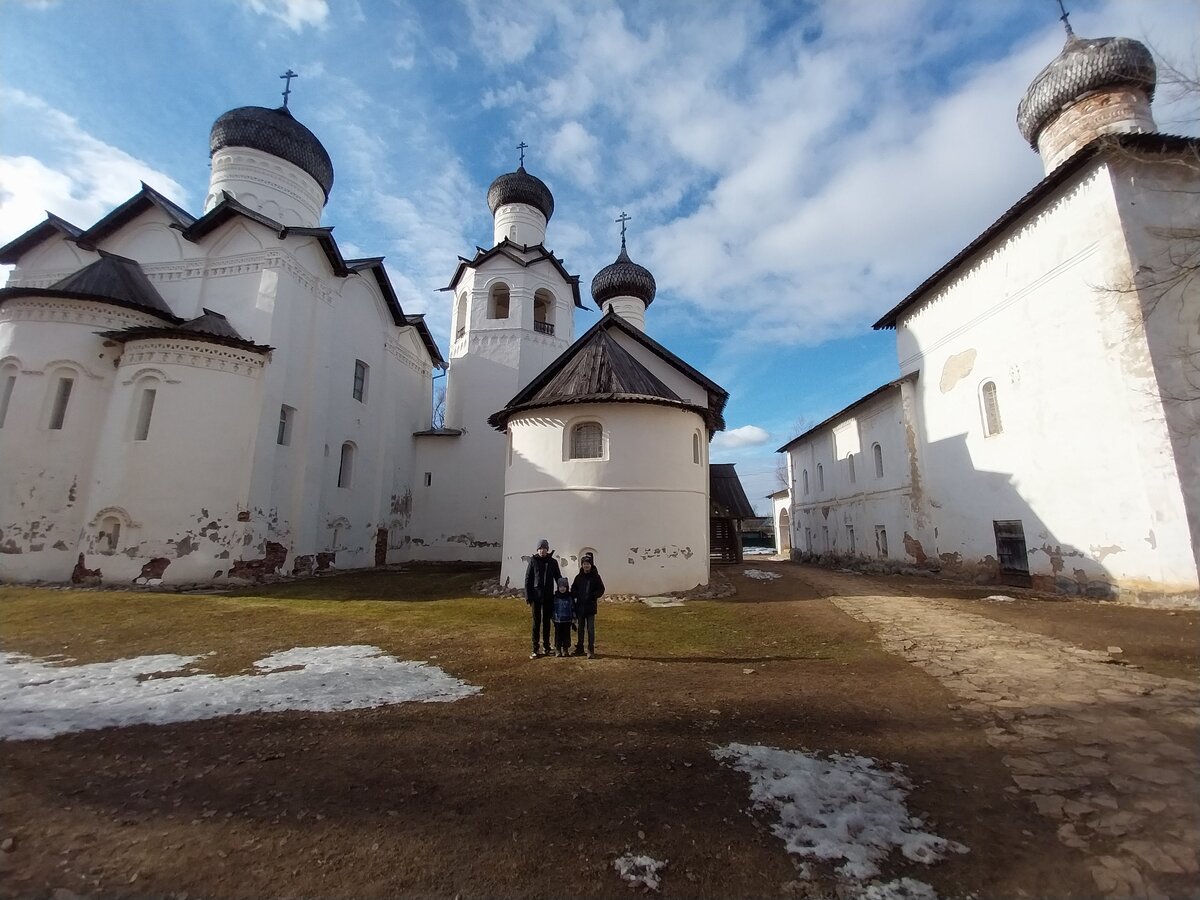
(1072, 460)
(1157, 205)
(642, 509)
(520, 223)
(180, 487)
(46, 471)
(272, 186)
(49, 262)
(870, 513)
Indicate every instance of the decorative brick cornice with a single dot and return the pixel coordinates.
(89, 313)
(195, 354)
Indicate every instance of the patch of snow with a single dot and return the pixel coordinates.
(662, 602)
(640, 871)
(39, 699)
(1001, 598)
(900, 889)
(761, 574)
(836, 808)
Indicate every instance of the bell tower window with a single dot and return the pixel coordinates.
(498, 300)
(543, 311)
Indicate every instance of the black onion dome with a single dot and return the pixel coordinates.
(277, 132)
(623, 278)
(521, 187)
(1085, 65)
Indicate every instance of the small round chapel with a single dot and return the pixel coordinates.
(608, 451)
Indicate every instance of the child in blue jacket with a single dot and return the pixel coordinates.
(564, 613)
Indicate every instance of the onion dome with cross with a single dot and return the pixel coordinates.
(624, 286)
(247, 145)
(1094, 86)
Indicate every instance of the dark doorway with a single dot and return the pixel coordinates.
(381, 547)
(1010, 551)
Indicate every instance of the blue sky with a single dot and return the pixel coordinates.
(792, 169)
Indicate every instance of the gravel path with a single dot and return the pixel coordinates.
(1107, 751)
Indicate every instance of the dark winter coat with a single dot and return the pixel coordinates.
(564, 608)
(587, 589)
(541, 577)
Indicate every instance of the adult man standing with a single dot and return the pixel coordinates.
(540, 578)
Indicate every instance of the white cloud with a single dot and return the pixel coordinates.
(83, 179)
(295, 14)
(572, 152)
(746, 436)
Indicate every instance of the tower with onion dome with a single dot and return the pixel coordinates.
(512, 314)
(1095, 86)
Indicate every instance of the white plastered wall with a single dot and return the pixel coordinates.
(1083, 459)
(642, 509)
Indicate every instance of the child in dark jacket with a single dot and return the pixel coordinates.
(588, 588)
(564, 612)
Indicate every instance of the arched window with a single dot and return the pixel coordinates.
(991, 409)
(8, 382)
(878, 452)
(805, 474)
(460, 316)
(587, 441)
(498, 301)
(346, 467)
(543, 311)
(820, 477)
(109, 537)
(850, 460)
(696, 448)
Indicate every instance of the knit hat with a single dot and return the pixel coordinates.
(543, 544)
(587, 558)
(563, 584)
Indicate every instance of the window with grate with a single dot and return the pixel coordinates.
(587, 441)
(991, 409)
(360, 380)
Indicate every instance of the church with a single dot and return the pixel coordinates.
(1044, 429)
(193, 399)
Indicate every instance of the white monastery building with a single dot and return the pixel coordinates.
(190, 399)
(1045, 427)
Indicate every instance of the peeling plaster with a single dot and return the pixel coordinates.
(1099, 553)
(955, 369)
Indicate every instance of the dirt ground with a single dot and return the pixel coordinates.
(533, 786)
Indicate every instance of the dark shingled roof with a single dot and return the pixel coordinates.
(277, 132)
(11, 252)
(726, 495)
(1139, 143)
(597, 369)
(110, 279)
(623, 278)
(514, 252)
(1084, 65)
(521, 187)
(211, 327)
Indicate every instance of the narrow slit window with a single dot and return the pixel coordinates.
(878, 451)
(346, 467)
(696, 449)
(145, 411)
(587, 441)
(62, 396)
(428, 479)
(820, 477)
(286, 416)
(6, 392)
(805, 474)
(850, 460)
